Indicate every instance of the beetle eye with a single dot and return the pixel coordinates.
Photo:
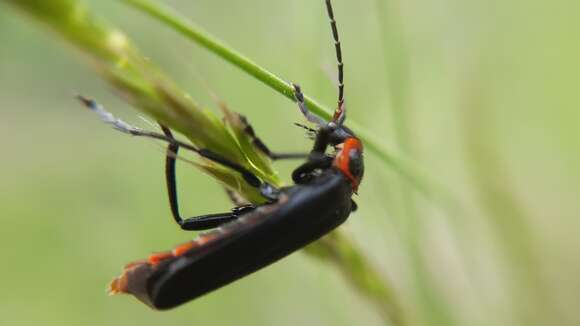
(355, 164)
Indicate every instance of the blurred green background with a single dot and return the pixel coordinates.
(482, 94)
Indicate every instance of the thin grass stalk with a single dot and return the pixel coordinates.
(432, 306)
(530, 293)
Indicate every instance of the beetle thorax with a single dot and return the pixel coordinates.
(349, 160)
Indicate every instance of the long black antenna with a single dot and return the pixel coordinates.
(339, 113)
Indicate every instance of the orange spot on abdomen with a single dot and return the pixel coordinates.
(183, 248)
(158, 257)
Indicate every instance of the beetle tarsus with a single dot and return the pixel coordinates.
(299, 96)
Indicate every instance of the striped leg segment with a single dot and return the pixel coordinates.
(261, 146)
(302, 106)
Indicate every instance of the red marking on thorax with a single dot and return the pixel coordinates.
(342, 159)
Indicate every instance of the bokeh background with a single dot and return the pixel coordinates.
(482, 94)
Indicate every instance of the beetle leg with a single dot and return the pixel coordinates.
(317, 159)
(302, 106)
(261, 146)
(303, 173)
(124, 127)
(210, 221)
(202, 222)
(321, 141)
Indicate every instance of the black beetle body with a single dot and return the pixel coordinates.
(256, 239)
(250, 237)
